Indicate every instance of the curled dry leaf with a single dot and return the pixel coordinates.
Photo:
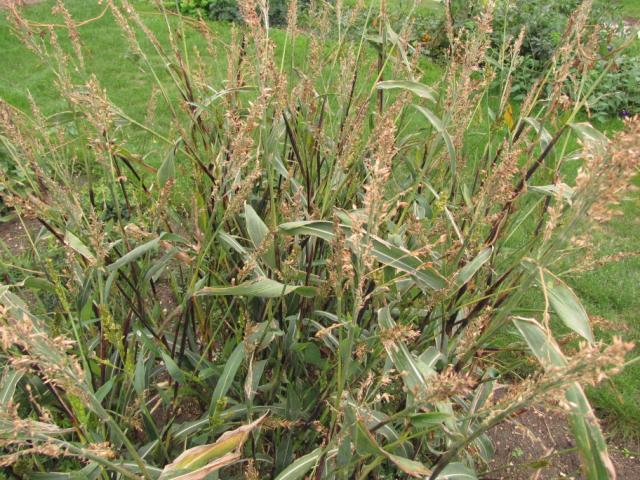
(197, 462)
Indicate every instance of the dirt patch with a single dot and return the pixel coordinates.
(537, 443)
(14, 237)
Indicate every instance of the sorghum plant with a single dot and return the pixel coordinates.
(301, 269)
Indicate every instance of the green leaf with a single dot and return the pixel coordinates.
(383, 251)
(429, 419)
(584, 424)
(258, 232)
(172, 367)
(315, 228)
(140, 374)
(76, 244)
(590, 135)
(553, 190)
(8, 385)
(136, 253)
(437, 124)
(467, 272)
(568, 306)
(226, 379)
(457, 471)
(167, 170)
(255, 226)
(545, 136)
(420, 89)
(412, 468)
(198, 462)
(104, 390)
(399, 354)
(263, 288)
(301, 466)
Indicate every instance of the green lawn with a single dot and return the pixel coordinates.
(612, 291)
(107, 55)
(630, 8)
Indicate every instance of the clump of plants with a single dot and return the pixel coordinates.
(543, 23)
(229, 10)
(305, 272)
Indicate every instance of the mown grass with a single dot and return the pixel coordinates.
(612, 291)
(630, 8)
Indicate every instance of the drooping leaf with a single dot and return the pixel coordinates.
(467, 272)
(167, 170)
(136, 253)
(253, 377)
(8, 384)
(402, 359)
(586, 431)
(429, 419)
(76, 244)
(228, 374)
(89, 472)
(258, 232)
(457, 471)
(104, 390)
(366, 444)
(437, 124)
(553, 190)
(419, 89)
(413, 468)
(301, 466)
(383, 251)
(590, 135)
(140, 374)
(315, 228)
(256, 228)
(263, 288)
(568, 306)
(172, 367)
(197, 462)
(545, 136)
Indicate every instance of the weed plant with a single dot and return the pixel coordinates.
(302, 271)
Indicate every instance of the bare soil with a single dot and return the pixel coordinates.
(537, 444)
(14, 237)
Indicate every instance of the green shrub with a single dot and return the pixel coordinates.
(306, 270)
(227, 10)
(618, 93)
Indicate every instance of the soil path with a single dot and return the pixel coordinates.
(537, 444)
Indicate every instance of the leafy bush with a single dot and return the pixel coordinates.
(307, 269)
(618, 93)
(544, 23)
(227, 10)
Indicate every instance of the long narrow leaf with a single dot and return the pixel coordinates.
(383, 251)
(263, 288)
(584, 425)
